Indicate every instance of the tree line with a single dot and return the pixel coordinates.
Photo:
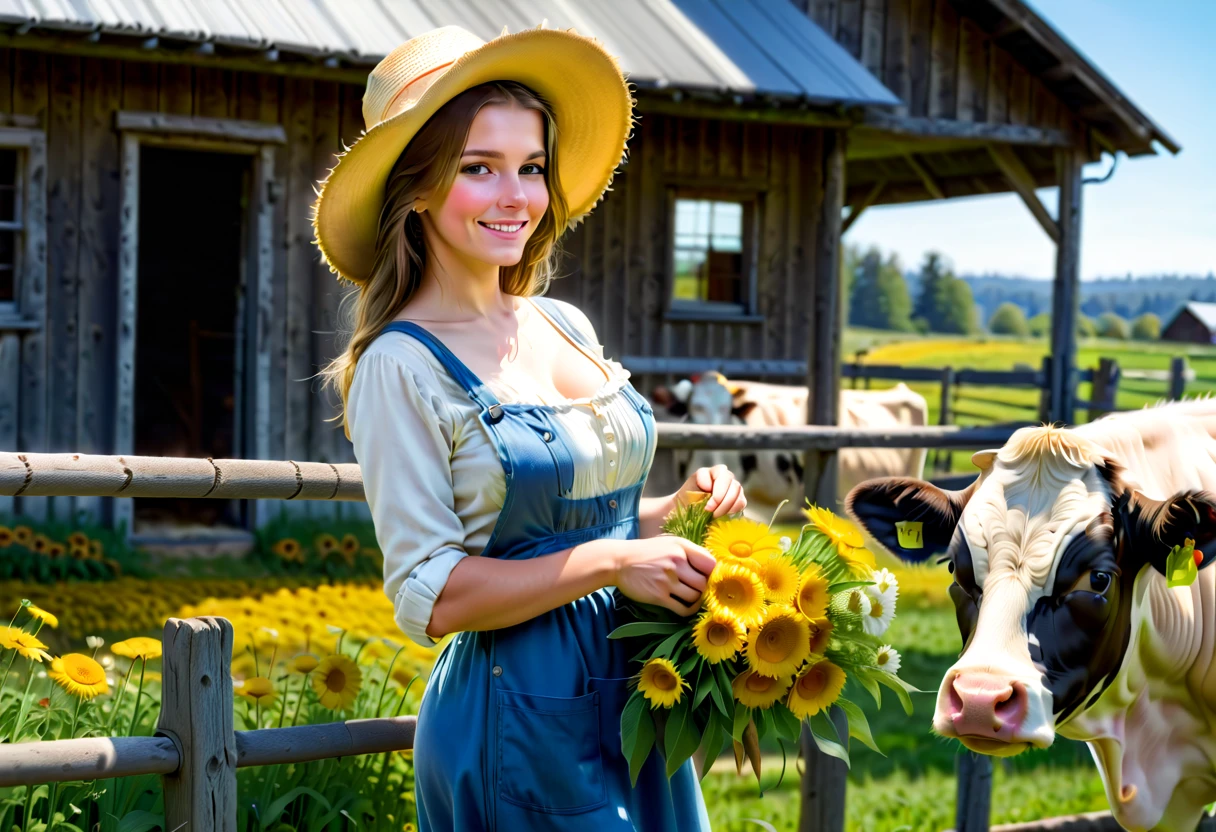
(933, 299)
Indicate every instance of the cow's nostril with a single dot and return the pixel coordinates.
(956, 701)
(1007, 702)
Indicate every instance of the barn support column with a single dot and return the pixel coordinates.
(824, 780)
(1065, 299)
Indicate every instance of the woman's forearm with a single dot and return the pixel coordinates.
(492, 593)
(651, 513)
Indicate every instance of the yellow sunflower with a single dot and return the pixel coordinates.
(860, 561)
(718, 635)
(326, 544)
(780, 578)
(735, 589)
(349, 547)
(850, 545)
(756, 690)
(24, 643)
(742, 540)
(42, 615)
(79, 675)
(304, 663)
(78, 539)
(96, 549)
(815, 689)
(7, 538)
(139, 647)
(661, 683)
(780, 643)
(336, 681)
(23, 535)
(56, 549)
(812, 597)
(257, 689)
(41, 544)
(79, 552)
(821, 634)
(288, 549)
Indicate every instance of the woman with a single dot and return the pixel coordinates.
(503, 456)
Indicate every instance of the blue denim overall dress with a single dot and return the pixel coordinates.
(519, 728)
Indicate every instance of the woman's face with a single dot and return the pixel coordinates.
(499, 194)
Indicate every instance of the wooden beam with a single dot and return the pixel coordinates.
(858, 208)
(216, 128)
(941, 128)
(729, 109)
(1021, 180)
(934, 189)
(1065, 298)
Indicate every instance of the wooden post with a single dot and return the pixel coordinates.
(1045, 393)
(1102, 390)
(973, 804)
(944, 417)
(823, 782)
(1177, 377)
(1065, 297)
(196, 713)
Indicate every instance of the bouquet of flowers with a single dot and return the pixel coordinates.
(784, 625)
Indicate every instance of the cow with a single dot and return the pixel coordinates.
(1059, 553)
(770, 477)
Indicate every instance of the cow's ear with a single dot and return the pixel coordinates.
(1154, 527)
(743, 409)
(913, 519)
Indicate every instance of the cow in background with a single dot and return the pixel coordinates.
(769, 477)
(1060, 553)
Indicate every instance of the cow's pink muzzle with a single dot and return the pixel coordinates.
(986, 706)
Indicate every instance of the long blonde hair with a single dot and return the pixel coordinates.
(427, 166)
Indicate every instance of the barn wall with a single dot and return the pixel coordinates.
(1188, 329)
(74, 100)
(618, 259)
(941, 63)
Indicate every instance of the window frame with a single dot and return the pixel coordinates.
(752, 199)
(29, 235)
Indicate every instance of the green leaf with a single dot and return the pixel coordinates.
(702, 686)
(645, 628)
(743, 715)
(902, 689)
(843, 585)
(663, 651)
(864, 679)
(788, 726)
(275, 810)
(681, 738)
(689, 663)
(1180, 566)
(723, 694)
(712, 742)
(859, 726)
(637, 734)
(825, 736)
(140, 821)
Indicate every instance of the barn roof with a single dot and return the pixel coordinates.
(1205, 313)
(733, 46)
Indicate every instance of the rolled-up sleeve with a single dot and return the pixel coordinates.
(402, 435)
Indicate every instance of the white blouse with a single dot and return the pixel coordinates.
(431, 474)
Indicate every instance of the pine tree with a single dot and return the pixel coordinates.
(932, 276)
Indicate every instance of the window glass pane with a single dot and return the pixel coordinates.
(8, 242)
(8, 184)
(727, 226)
(708, 251)
(688, 282)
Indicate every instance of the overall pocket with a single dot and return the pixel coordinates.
(549, 757)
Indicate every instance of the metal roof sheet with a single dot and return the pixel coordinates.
(743, 46)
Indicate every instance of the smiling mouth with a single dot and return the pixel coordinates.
(503, 227)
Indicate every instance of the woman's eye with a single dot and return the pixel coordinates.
(476, 168)
(1094, 581)
(532, 170)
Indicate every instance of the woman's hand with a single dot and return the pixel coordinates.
(666, 571)
(725, 492)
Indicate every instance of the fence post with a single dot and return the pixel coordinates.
(1045, 391)
(823, 782)
(973, 803)
(1177, 377)
(1102, 390)
(196, 713)
(944, 417)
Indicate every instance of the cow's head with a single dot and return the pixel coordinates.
(1046, 548)
(707, 399)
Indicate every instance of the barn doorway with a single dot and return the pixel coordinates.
(192, 251)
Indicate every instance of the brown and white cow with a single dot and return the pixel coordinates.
(1058, 552)
(769, 477)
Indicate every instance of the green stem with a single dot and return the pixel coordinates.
(299, 700)
(387, 674)
(143, 663)
(75, 717)
(118, 699)
(283, 704)
(22, 708)
(29, 808)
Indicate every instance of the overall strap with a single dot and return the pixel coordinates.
(465, 377)
(554, 310)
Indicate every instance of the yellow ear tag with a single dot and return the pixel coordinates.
(911, 534)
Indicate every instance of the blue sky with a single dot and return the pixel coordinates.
(1156, 214)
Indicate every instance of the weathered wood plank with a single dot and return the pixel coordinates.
(176, 89)
(873, 22)
(128, 296)
(897, 51)
(612, 210)
(298, 112)
(65, 761)
(6, 81)
(140, 86)
(211, 92)
(920, 55)
(856, 209)
(63, 153)
(652, 234)
(98, 261)
(196, 696)
(30, 100)
(823, 12)
(823, 438)
(10, 389)
(1019, 95)
(213, 128)
(943, 67)
(972, 72)
(776, 242)
(1019, 177)
(1066, 294)
(848, 26)
(999, 66)
(926, 176)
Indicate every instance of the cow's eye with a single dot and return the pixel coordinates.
(1094, 581)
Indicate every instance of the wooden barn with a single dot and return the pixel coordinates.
(1195, 323)
(159, 292)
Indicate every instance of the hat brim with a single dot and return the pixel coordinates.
(580, 80)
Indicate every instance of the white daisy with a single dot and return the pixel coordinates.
(888, 659)
(885, 582)
(882, 611)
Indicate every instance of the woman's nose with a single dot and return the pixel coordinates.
(512, 195)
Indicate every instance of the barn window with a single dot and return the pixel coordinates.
(10, 223)
(711, 255)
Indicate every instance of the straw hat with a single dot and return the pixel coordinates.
(581, 81)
